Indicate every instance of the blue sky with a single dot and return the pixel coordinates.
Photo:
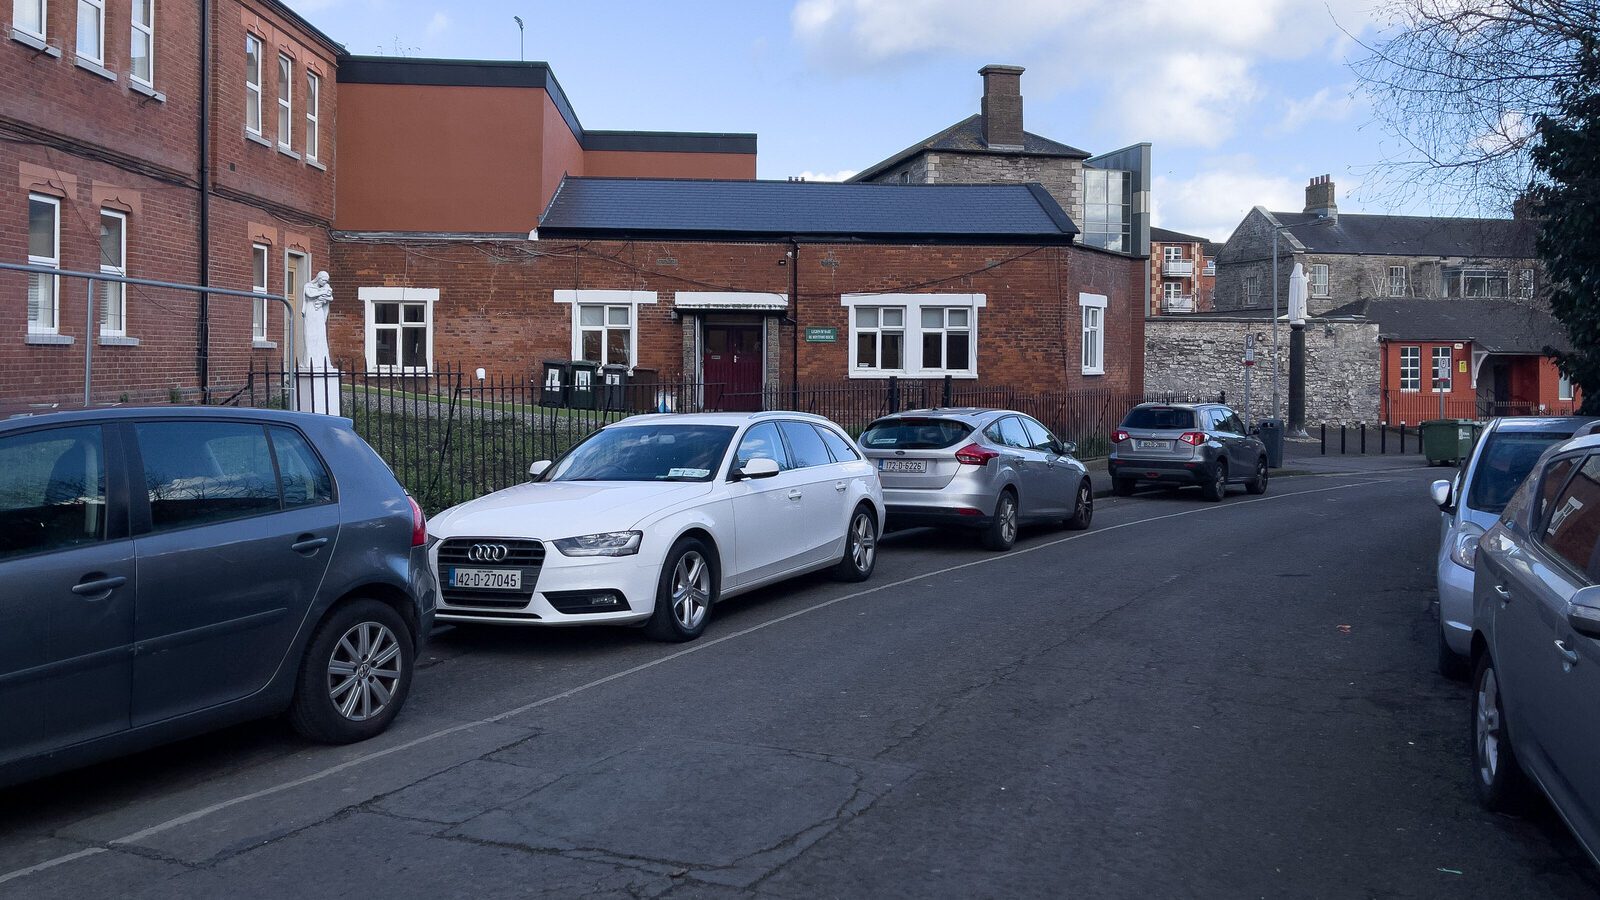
(1244, 100)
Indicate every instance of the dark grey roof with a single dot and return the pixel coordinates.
(686, 208)
(1498, 326)
(1356, 233)
(1213, 248)
(966, 136)
(1167, 236)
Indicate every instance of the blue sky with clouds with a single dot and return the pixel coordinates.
(1243, 100)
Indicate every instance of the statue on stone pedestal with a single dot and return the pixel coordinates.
(314, 301)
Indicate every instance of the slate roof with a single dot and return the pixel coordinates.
(1356, 233)
(1167, 236)
(749, 210)
(1498, 326)
(966, 136)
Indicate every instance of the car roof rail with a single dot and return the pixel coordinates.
(1590, 427)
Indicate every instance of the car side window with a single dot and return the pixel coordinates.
(306, 481)
(805, 445)
(52, 490)
(1550, 485)
(1012, 433)
(762, 442)
(1573, 530)
(838, 447)
(1225, 421)
(197, 473)
(1039, 437)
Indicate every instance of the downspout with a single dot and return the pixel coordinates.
(203, 337)
(794, 316)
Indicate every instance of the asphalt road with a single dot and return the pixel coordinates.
(1191, 699)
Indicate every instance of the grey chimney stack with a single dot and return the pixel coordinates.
(1002, 107)
(1319, 197)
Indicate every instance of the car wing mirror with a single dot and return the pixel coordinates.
(1440, 491)
(1584, 613)
(1066, 448)
(538, 468)
(760, 467)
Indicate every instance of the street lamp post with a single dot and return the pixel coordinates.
(522, 51)
(1277, 408)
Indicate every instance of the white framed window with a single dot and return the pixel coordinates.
(1525, 284)
(605, 324)
(1410, 368)
(1252, 290)
(1171, 290)
(1397, 281)
(1319, 280)
(399, 328)
(113, 261)
(1172, 253)
(92, 31)
(252, 84)
(313, 105)
(142, 43)
(44, 249)
(258, 284)
(1094, 333)
(28, 16)
(1563, 387)
(285, 102)
(920, 335)
(1442, 361)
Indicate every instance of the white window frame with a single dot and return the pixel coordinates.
(285, 101)
(944, 330)
(99, 57)
(1448, 355)
(1563, 386)
(313, 115)
(148, 30)
(41, 7)
(1093, 310)
(372, 296)
(911, 343)
(604, 329)
(259, 308)
(53, 262)
(1525, 284)
(1171, 290)
(1172, 253)
(1398, 281)
(114, 290)
(876, 331)
(252, 84)
(577, 299)
(1318, 287)
(1252, 290)
(1411, 358)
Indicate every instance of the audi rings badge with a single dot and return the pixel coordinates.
(488, 552)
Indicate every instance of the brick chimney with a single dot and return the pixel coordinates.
(1319, 197)
(1002, 107)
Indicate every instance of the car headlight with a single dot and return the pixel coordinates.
(1464, 546)
(610, 543)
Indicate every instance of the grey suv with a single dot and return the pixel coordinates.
(170, 571)
(1186, 443)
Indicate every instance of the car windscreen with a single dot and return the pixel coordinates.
(913, 434)
(656, 452)
(1506, 460)
(1159, 417)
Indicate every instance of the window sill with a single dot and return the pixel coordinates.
(316, 165)
(46, 339)
(256, 138)
(1093, 372)
(34, 41)
(401, 371)
(263, 345)
(883, 374)
(287, 152)
(118, 340)
(96, 68)
(146, 90)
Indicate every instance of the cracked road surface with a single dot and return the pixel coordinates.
(1166, 705)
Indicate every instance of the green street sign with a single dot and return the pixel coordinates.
(822, 335)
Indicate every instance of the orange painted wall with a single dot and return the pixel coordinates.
(627, 164)
(433, 158)
(562, 154)
(1534, 381)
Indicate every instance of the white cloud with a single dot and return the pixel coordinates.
(1512, 130)
(1190, 98)
(1332, 104)
(841, 175)
(1214, 202)
(437, 24)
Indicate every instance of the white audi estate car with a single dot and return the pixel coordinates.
(654, 519)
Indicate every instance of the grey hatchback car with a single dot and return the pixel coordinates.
(171, 571)
(1536, 642)
(985, 469)
(1186, 443)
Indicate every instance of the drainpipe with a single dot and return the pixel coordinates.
(203, 336)
(794, 316)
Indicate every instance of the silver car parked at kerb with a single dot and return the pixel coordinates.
(1186, 443)
(984, 469)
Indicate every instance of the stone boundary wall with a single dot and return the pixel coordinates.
(1199, 357)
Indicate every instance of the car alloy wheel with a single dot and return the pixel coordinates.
(863, 542)
(691, 590)
(1002, 530)
(363, 670)
(1008, 520)
(1489, 729)
(1083, 507)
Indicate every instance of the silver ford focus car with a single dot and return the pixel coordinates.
(983, 469)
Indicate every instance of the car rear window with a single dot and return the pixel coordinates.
(1157, 417)
(1506, 461)
(913, 434)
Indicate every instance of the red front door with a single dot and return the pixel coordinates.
(731, 366)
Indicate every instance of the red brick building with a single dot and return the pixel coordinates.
(1183, 273)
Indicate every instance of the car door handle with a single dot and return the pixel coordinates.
(101, 585)
(839, 486)
(1501, 592)
(795, 494)
(1568, 655)
(307, 543)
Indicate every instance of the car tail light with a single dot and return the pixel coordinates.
(1194, 438)
(419, 524)
(974, 455)
(1119, 436)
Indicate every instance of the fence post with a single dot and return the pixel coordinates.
(1324, 438)
(1343, 447)
(1402, 437)
(945, 399)
(1383, 438)
(894, 393)
(1363, 438)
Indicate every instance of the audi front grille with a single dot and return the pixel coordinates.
(490, 553)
